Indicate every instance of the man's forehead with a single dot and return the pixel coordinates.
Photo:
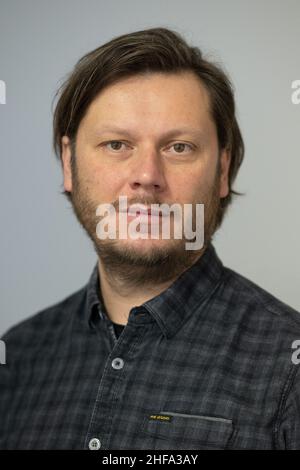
(153, 92)
(188, 113)
(129, 131)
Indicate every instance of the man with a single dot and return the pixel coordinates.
(164, 348)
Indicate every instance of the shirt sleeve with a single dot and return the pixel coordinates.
(6, 390)
(287, 430)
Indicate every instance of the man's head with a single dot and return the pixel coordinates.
(145, 116)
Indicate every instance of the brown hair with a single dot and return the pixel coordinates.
(146, 51)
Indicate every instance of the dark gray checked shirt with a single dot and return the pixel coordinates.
(207, 364)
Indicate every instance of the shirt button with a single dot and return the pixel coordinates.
(117, 363)
(94, 444)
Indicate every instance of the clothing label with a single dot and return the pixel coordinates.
(160, 418)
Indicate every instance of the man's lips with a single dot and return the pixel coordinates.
(149, 212)
(136, 211)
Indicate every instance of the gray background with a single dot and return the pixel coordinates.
(45, 255)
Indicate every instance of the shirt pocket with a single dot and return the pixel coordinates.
(170, 430)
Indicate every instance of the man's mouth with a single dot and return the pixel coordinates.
(136, 210)
(146, 212)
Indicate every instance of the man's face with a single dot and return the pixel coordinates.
(150, 138)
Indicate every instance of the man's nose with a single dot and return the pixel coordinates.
(147, 171)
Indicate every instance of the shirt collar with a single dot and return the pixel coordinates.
(187, 293)
(94, 301)
(173, 306)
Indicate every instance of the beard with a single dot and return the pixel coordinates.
(147, 263)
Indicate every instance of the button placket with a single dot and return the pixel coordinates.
(110, 386)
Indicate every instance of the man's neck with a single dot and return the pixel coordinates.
(119, 298)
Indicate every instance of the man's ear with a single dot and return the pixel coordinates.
(66, 162)
(225, 159)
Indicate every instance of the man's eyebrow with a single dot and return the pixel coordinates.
(168, 134)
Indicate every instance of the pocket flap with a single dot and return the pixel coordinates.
(189, 430)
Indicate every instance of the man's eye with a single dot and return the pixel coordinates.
(180, 146)
(115, 144)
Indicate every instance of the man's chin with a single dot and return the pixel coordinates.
(141, 263)
(139, 251)
(150, 244)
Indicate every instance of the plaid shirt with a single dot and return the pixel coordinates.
(207, 364)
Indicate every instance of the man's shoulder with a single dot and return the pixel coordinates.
(47, 319)
(259, 303)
